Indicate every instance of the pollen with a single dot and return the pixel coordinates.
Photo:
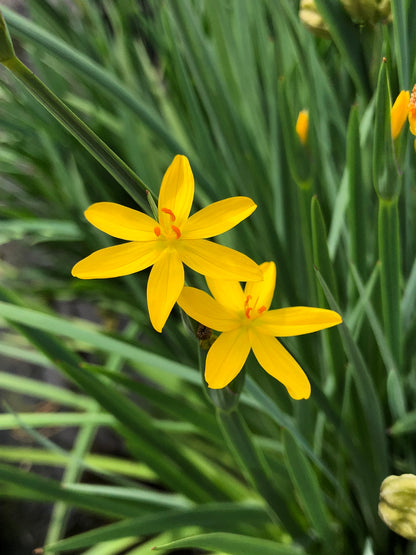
(176, 230)
(251, 311)
(171, 214)
(248, 310)
(157, 231)
(412, 101)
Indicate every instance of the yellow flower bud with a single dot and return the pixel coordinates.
(312, 19)
(302, 126)
(368, 11)
(399, 112)
(397, 506)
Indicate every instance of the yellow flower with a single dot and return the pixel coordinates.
(247, 323)
(399, 113)
(412, 111)
(167, 244)
(302, 126)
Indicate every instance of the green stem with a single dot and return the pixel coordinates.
(101, 152)
(255, 467)
(305, 199)
(389, 253)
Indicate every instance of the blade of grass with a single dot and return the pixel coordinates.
(235, 544)
(217, 516)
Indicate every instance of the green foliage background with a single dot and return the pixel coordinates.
(221, 82)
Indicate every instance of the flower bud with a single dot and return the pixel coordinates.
(397, 506)
(368, 11)
(302, 126)
(312, 19)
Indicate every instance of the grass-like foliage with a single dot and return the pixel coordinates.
(245, 469)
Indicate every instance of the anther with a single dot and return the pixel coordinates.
(157, 231)
(247, 312)
(176, 230)
(171, 214)
(247, 300)
(261, 309)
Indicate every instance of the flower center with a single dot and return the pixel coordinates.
(250, 310)
(167, 231)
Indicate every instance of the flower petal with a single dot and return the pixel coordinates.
(398, 113)
(217, 261)
(263, 290)
(412, 111)
(121, 222)
(119, 260)
(164, 286)
(176, 192)
(218, 217)
(280, 364)
(204, 309)
(226, 358)
(228, 293)
(296, 320)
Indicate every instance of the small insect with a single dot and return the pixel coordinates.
(203, 332)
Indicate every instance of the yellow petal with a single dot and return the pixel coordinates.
(217, 261)
(218, 217)
(302, 126)
(263, 290)
(412, 111)
(226, 358)
(119, 260)
(228, 293)
(121, 222)
(206, 310)
(399, 113)
(296, 320)
(176, 193)
(164, 286)
(280, 364)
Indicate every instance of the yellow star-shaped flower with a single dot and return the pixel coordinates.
(399, 112)
(246, 323)
(175, 239)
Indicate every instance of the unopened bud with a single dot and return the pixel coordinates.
(368, 11)
(397, 506)
(312, 19)
(302, 126)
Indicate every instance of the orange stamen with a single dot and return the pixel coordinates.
(247, 312)
(157, 231)
(176, 230)
(171, 214)
(261, 309)
(247, 300)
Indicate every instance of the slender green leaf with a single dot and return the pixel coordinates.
(234, 544)
(217, 516)
(308, 489)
